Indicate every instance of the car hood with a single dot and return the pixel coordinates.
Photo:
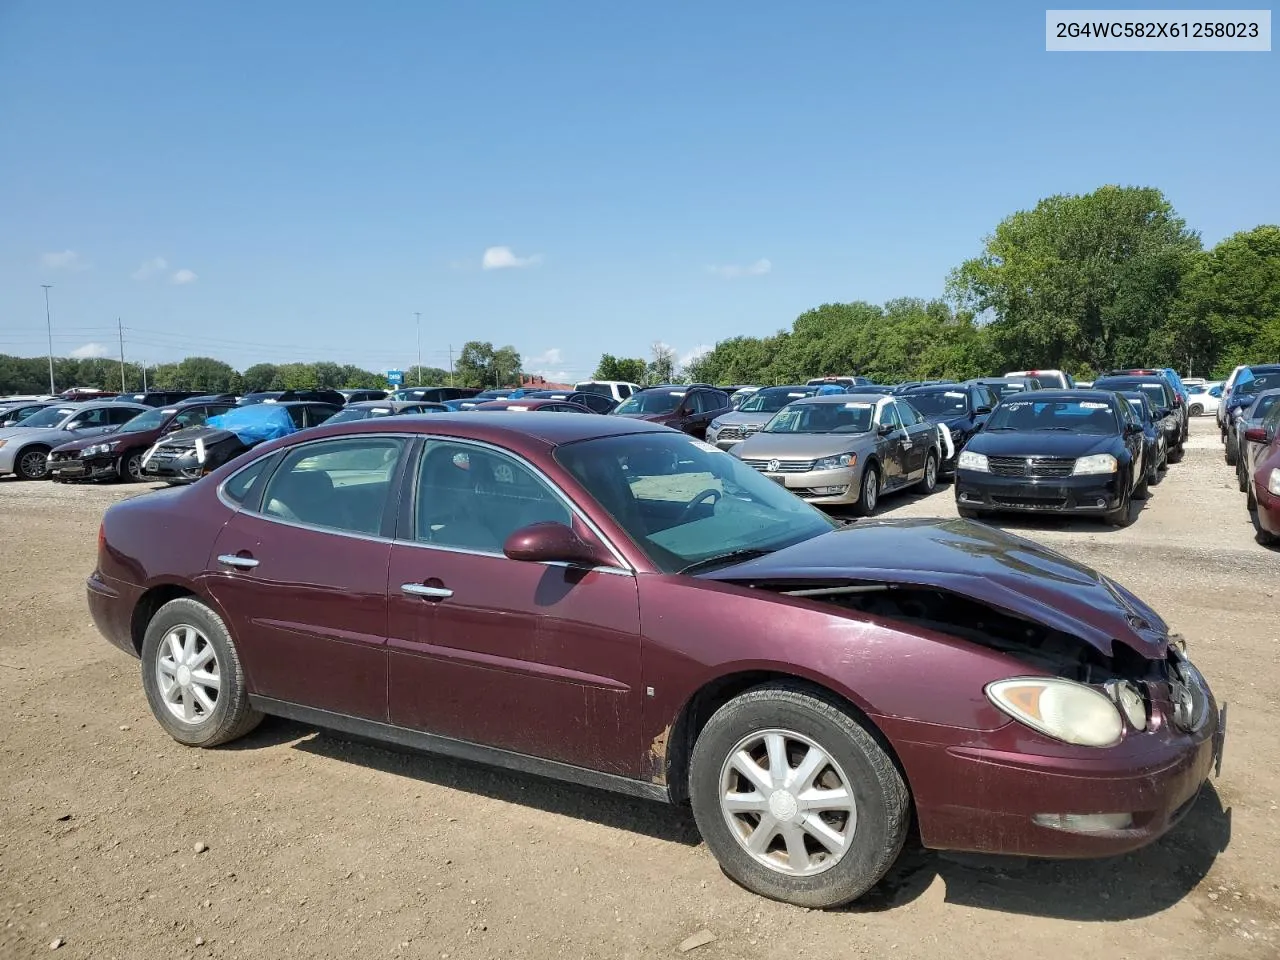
(806, 446)
(207, 435)
(651, 417)
(1004, 571)
(50, 435)
(738, 417)
(1041, 443)
(137, 438)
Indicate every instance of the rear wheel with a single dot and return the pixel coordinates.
(1196, 410)
(192, 676)
(1230, 452)
(795, 798)
(869, 494)
(32, 463)
(1174, 454)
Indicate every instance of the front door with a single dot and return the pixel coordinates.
(302, 575)
(539, 659)
(920, 434)
(895, 446)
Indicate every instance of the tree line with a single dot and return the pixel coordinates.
(1084, 283)
(479, 365)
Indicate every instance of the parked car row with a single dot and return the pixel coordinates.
(1249, 418)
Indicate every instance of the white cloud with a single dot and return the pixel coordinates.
(500, 258)
(552, 357)
(90, 351)
(697, 353)
(63, 260)
(183, 276)
(150, 268)
(732, 271)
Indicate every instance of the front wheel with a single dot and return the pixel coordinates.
(795, 798)
(129, 469)
(193, 678)
(929, 482)
(1230, 453)
(32, 464)
(1174, 454)
(1142, 490)
(968, 513)
(869, 494)
(1242, 478)
(1121, 516)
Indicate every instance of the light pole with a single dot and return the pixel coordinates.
(417, 325)
(48, 323)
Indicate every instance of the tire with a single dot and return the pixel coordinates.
(129, 469)
(1242, 478)
(1196, 410)
(1174, 454)
(1142, 490)
(869, 494)
(31, 464)
(1121, 516)
(1250, 501)
(1230, 453)
(968, 513)
(929, 482)
(873, 830)
(198, 629)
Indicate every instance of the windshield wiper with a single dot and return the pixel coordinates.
(995, 429)
(733, 556)
(1067, 429)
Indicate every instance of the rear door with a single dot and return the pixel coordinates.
(920, 436)
(302, 574)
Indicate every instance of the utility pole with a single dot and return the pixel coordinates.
(120, 330)
(451, 364)
(417, 318)
(48, 323)
(144, 377)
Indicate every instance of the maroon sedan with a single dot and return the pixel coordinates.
(541, 404)
(616, 604)
(1262, 475)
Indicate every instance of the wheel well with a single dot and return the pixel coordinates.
(714, 695)
(148, 604)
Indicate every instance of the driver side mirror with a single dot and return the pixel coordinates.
(982, 411)
(550, 542)
(885, 429)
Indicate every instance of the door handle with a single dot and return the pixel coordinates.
(243, 563)
(430, 593)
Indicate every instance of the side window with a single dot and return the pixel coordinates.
(237, 489)
(889, 415)
(337, 484)
(906, 413)
(195, 417)
(121, 415)
(473, 497)
(90, 418)
(624, 390)
(298, 416)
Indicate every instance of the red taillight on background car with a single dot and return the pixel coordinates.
(102, 537)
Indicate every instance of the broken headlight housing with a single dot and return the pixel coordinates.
(1063, 709)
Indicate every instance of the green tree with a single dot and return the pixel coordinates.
(610, 367)
(480, 365)
(430, 377)
(259, 377)
(1079, 281)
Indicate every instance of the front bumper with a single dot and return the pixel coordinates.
(838, 487)
(162, 467)
(982, 793)
(77, 468)
(1268, 508)
(1084, 494)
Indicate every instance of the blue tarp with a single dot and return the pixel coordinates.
(255, 423)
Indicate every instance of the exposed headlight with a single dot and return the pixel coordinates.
(833, 463)
(1062, 709)
(973, 461)
(95, 449)
(1131, 703)
(1273, 483)
(1098, 463)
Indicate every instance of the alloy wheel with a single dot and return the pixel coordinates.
(33, 465)
(188, 674)
(133, 467)
(870, 490)
(787, 802)
(930, 473)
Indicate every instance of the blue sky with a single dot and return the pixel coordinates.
(317, 171)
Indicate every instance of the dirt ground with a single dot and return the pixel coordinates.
(317, 846)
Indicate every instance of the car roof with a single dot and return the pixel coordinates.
(1047, 396)
(1135, 377)
(871, 398)
(362, 404)
(503, 427)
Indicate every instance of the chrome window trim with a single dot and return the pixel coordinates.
(623, 568)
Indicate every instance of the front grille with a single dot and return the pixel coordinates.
(164, 455)
(737, 431)
(1031, 466)
(783, 466)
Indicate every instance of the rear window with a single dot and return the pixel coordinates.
(601, 388)
(1068, 415)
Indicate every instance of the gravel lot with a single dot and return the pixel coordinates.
(117, 842)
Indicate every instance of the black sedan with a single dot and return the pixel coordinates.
(960, 407)
(595, 402)
(1163, 400)
(1156, 451)
(1055, 451)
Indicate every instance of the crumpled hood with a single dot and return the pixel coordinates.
(972, 559)
(188, 437)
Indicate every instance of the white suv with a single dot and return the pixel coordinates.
(618, 389)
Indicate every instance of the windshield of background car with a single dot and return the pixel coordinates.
(854, 416)
(48, 417)
(601, 388)
(773, 399)
(150, 420)
(1259, 382)
(1001, 390)
(359, 413)
(1159, 394)
(658, 487)
(1077, 416)
(940, 403)
(651, 401)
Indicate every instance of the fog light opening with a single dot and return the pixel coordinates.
(1101, 502)
(1084, 822)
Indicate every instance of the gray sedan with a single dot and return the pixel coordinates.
(24, 449)
(846, 449)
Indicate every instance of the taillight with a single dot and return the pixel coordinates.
(102, 537)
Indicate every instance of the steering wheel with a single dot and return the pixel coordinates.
(711, 493)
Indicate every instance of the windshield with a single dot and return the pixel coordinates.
(150, 420)
(1157, 393)
(601, 388)
(651, 401)
(48, 417)
(940, 403)
(1077, 416)
(851, 417)
(658, 488)
(1002, 390)
(1260, 382)
(773, 399)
